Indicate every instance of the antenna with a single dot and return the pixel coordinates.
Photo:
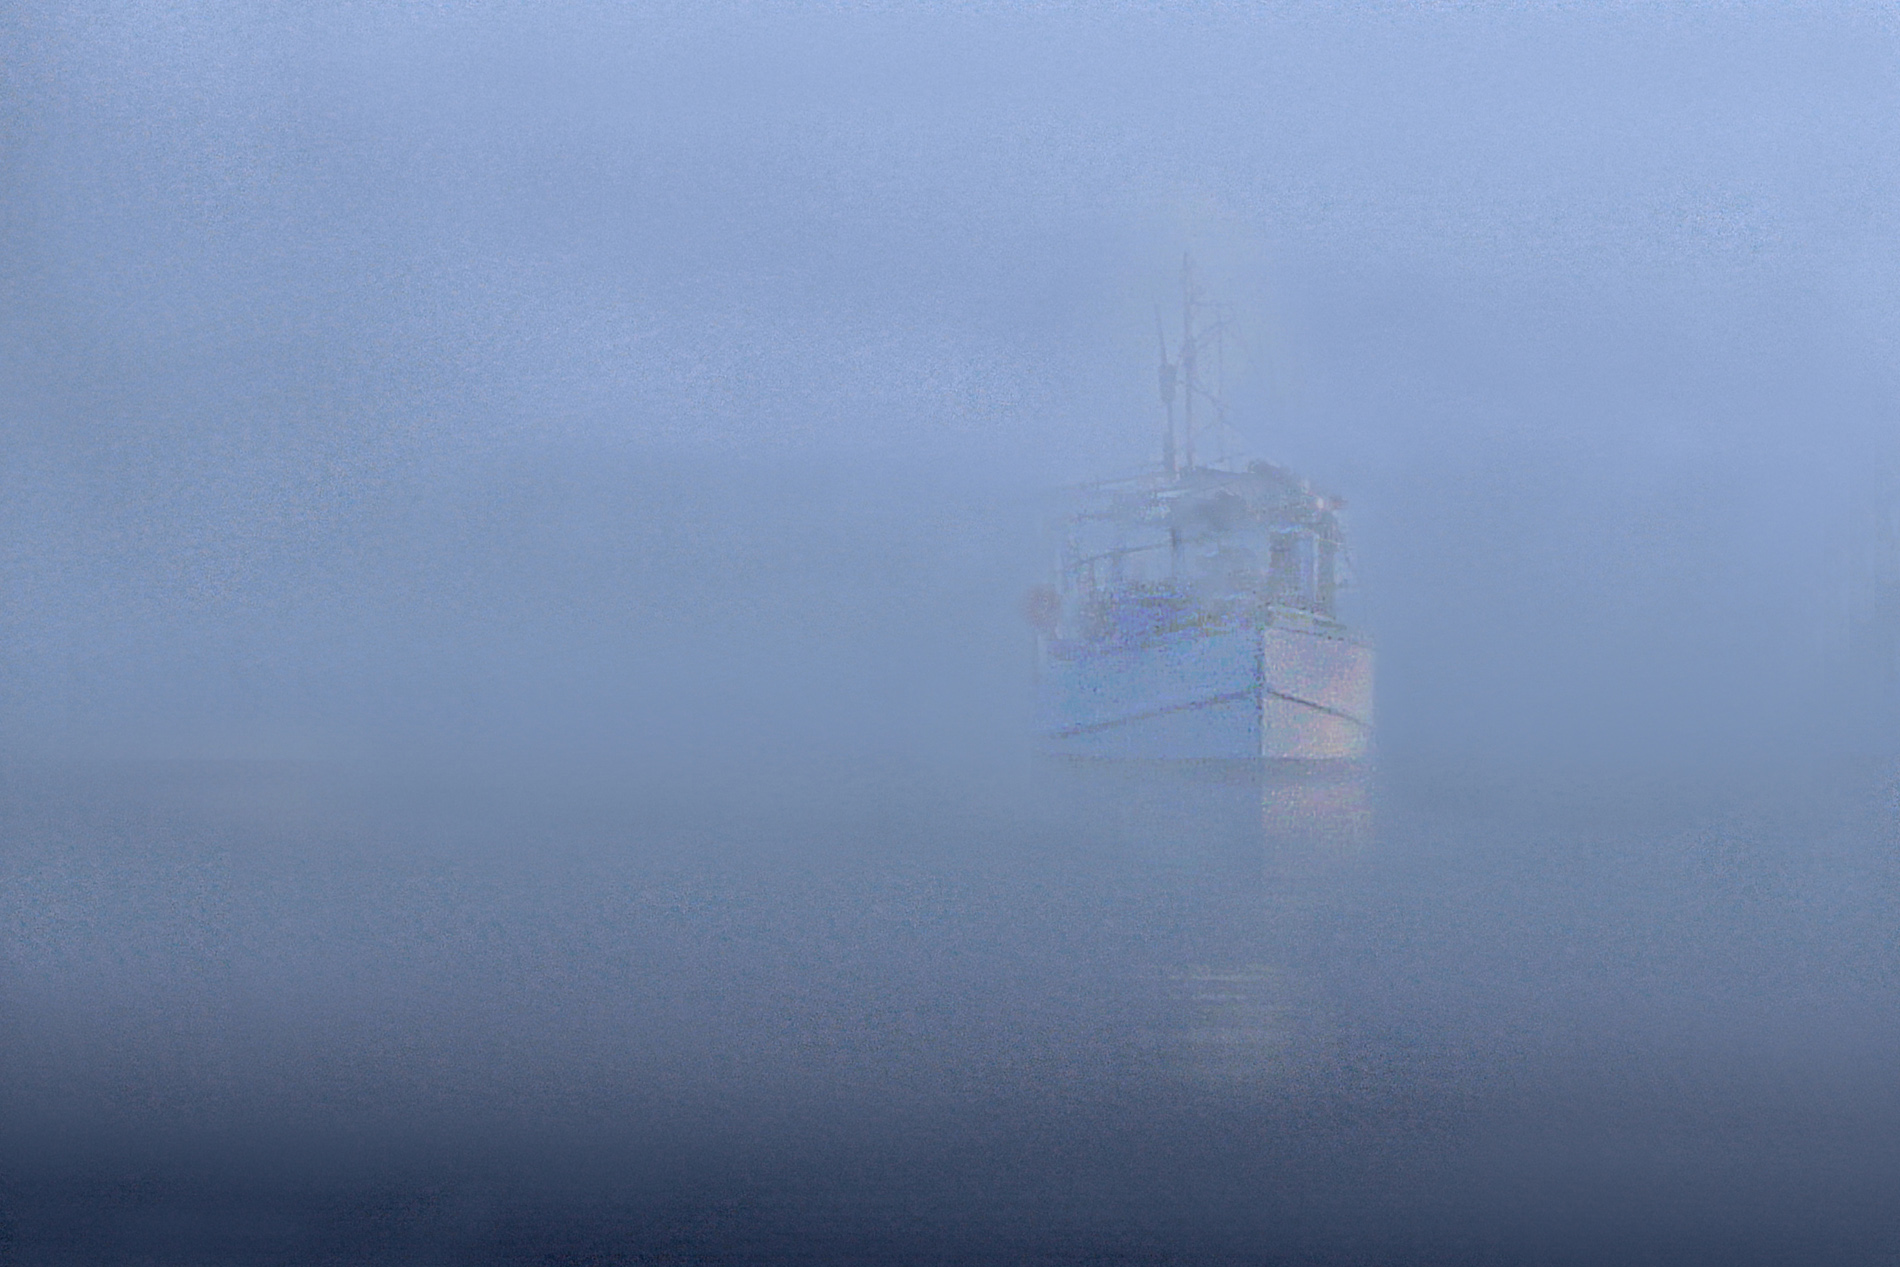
(1167, 396)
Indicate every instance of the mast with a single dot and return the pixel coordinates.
(1187, 354)
(1167, 397)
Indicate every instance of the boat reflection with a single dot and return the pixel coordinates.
(1244, 1006)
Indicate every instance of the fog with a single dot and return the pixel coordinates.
(514, 704)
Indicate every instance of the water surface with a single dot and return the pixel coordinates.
(271, 1012)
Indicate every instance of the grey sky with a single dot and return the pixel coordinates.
(1588, 311)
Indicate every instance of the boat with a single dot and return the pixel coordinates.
(1193, 611)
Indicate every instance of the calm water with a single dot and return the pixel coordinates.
(1096, 1014)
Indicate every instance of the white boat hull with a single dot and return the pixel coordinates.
(1272, 693)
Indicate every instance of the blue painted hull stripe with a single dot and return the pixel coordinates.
(1212, 701)
(1088, 728)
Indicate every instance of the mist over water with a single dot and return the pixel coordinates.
(293, 1011)
(514, 700)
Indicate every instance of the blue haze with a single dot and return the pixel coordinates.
(512, 695)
